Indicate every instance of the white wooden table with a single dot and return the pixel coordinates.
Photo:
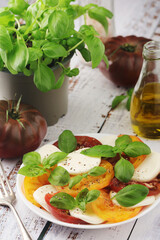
(89, 111)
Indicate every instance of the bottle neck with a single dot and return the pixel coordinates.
(151, 50)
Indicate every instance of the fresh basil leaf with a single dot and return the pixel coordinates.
(92, 195)
(131, 195)
(17, 6)
(63, 200)
(73, 181)
(78, 10)
(85, 54)
(95, 14)
(31, 158)
(73, 72)
(5, 60)
(18, 57)
(124, 170)
(67, 141)
(5, 40)
(38, 43)
(32, 170)
(96, 48)
(128, 104)
(34, 54)
(81, 199)
(99, 151)
(59, 176)
(1, 63)
(104, 12)
(44, 78)
(60, 81)
(59, 24)
(51, 3)
(105, 59)
(97, 171)
(117, 100)
(135, 149)
(6, 19)
(123, 141)
(130, 92)
(54, 50)
(53, 159)
(27, 72)
(88, 30)
(33, 11)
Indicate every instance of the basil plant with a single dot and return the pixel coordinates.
(36, 37)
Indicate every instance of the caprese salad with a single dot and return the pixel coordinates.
(82, 180)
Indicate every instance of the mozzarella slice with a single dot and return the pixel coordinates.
(77, 163)
(88, 216)
(148, 169)
(46, 150)
(147, 201)
(108, 140)
(39, 194)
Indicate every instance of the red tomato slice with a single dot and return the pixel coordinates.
(61, 214)
(84, 141)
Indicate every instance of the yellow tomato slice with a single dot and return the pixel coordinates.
(137, 160)
(90, 182)
(31, 184)
(109, 212)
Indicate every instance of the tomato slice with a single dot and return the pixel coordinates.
(91, 182)
(84, 141)
(116, 185)
(137, 160)
(61, 214)
(105, 209)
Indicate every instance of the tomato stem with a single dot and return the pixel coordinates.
(128, 47)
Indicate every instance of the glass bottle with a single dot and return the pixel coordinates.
(145, 104)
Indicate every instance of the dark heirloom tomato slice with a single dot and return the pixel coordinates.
(84, 141)
(116, 185)
(61, 214)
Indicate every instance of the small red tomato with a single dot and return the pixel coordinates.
(22, 128)
(61, 214)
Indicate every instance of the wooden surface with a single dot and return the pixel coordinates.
(89, 111)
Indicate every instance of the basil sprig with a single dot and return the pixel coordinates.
(96, 171)
(65, 201)
(33, 166)
(131, 195)
(124, 170)
(67, 141)
(59, 176)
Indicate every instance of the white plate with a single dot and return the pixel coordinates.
(42, 213)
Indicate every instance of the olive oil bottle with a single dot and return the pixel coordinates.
(145, 104)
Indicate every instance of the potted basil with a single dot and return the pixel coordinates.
(37, 42)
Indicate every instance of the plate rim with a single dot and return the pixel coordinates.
(47, 216)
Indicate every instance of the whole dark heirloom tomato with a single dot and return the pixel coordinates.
(125, 59)
(22, 128)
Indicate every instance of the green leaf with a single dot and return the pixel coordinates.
(32, 170)
(73, 181)
(124, 170)
(99, 151)
(27, 72)
(63, 200)
(54, 50)
(53, 159)
(34, 54)
(96, 48)
(51, 3)
(104, 12)
(73, 72)
(1, 64)
(88, 30)
(92, 195)
(85, 54)
(67, 141)
(135, 149)
(5, 40)
(31, 158)
(59, 176)
(5, 60)
(44, 78)
(60, 81)
(95, 14)
(59, 24)
(123, 141)
(128, 104)
(97, 171)
(131, 195)
(6, 18)
(18, 6)
(117, 100)
(33, 11)
(18, 57)
(81, 199)
(105, 59)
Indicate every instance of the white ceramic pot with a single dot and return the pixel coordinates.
(52, 104)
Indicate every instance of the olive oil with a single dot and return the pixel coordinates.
(145, 110)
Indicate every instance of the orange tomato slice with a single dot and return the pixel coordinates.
(137, 160)
(105, 209)
(91, 182)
